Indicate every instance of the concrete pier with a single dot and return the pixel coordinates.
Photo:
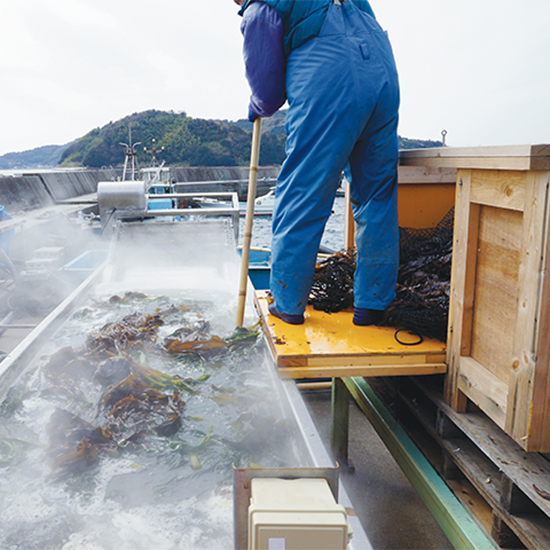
(43, 189)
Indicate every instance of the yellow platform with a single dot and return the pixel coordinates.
(331, 346)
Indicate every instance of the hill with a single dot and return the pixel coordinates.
(46, 156)
(179, 139)
(276, 125)
(186, 141)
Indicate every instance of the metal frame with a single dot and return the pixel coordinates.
(232, 211)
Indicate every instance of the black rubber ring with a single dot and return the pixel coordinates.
(408, 343)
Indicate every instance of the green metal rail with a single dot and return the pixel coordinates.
(457, 524)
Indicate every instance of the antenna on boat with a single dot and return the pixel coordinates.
(443, 137)
(130, 157)
(153, 152)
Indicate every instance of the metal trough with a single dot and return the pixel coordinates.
(168, 492)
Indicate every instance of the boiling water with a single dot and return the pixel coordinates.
(166, 492)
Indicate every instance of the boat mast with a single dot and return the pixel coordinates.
(130, 152)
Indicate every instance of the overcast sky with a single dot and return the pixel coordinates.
(477, 68)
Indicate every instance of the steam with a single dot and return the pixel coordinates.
(154, 495)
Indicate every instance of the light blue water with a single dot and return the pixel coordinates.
(334, 231)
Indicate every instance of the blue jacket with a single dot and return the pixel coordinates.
(302, 20)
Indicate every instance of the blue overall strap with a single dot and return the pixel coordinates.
(303, 19)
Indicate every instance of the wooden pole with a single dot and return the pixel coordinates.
(252, 180)
(349, 222)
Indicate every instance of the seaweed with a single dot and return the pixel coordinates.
(135, 401)
(332, 288)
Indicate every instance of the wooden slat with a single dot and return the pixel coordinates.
(529, 471)
(529, 372)
(486, 472)
(540, 420)
(496, 289)
(504, 189)
(336, 371)
(380, 358)
(425, 175)
(470, 280)
(460, 299)
(505, 157)
(485, 389)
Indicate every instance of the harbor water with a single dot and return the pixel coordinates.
(333, 237)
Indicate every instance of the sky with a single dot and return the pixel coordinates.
(478, 69)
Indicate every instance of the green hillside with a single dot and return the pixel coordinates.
(187, 142)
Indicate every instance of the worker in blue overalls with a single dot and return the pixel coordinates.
(334, 64)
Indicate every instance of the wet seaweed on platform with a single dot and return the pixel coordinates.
(423, 284)
(332, 288)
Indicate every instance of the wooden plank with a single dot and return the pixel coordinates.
(532, 530)
(461, 299)
(500, 188)
(505, 157)
(529, 471)
(470, 280)
(486, 477)
(529, 372)
(454, 520)
(466, 482)
(539, 429)
(335, 371)
(485, 389)
(425, 175)
(496, 289)
(375, 358)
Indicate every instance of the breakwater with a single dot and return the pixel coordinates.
(42, 189)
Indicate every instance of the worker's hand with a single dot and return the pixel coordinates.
(252, 116)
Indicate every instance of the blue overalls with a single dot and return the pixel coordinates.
(343, 95)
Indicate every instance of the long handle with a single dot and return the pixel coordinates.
(251, 197)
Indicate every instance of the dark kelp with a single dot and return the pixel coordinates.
(136, 401)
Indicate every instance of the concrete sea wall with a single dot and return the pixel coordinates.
(44, 189)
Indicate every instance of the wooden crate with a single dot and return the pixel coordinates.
(499, 324)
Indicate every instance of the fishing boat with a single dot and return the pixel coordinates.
(263, 205)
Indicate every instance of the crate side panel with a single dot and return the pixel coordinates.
(496, 289)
